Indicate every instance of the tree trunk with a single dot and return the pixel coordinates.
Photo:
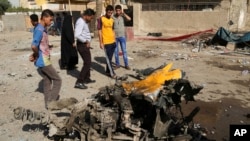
(99, 5)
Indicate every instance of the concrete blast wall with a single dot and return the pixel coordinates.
(238, 13)
(176, 21)
(190, 21)
(15, 22)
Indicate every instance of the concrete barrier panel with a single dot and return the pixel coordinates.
(14, 22)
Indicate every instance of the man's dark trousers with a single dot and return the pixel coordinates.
(84, 51)
(110, 49)
(51, 83)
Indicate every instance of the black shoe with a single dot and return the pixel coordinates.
(80, 86)
(71, 67)
(89, 81)
(63, 67)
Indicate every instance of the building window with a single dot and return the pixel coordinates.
(179, 6)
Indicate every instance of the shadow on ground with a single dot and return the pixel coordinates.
(217, 116)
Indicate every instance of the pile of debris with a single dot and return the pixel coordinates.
(198, 42)
(222, 39)
(143, 110)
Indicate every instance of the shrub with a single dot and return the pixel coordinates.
(21, 9)
(4, 5)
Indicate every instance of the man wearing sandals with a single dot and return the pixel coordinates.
(105, 26)
(41, 57)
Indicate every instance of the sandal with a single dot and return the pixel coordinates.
(116, 67)
(114, 77)
(108, 74)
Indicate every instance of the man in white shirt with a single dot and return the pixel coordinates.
(83, 37)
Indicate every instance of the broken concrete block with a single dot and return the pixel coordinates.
(230, 46)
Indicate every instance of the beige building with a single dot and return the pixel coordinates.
(181, 16)
(169, 16)
(36, 4)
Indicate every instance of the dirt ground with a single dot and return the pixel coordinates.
(224, 100)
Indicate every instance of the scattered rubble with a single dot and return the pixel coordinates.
(215, 66)
(244, 72)
(205, 40)
(125, 111)
(13, 74)
(198, 42)
(157, 34)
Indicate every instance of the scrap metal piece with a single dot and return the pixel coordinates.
(143, 73)
(143, 110)
(151, 85)
(23, 114)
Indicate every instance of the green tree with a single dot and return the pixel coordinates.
(4, 5)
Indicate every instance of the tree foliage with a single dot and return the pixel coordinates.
(21, 9)
(4, 5)
(17, 9)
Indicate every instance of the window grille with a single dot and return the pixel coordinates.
(194, 6)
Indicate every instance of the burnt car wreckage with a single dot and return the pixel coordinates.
(125, 111)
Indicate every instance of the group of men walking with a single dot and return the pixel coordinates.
(111, 32)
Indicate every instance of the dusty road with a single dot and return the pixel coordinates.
(224, 100)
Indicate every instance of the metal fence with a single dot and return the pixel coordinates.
(193, 6)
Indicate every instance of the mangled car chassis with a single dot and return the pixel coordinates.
(143, 110)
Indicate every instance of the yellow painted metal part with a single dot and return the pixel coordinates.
(154, 82)
(40, 2)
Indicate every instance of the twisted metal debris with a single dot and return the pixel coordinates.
(115, 113)
(27, 114)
